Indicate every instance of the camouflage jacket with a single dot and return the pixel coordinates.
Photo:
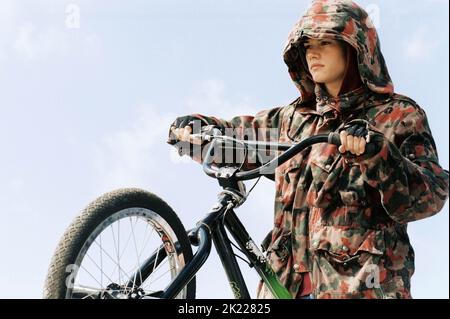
(344, 219)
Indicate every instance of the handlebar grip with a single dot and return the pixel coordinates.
(334, 138)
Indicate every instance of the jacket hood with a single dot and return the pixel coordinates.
(341, 20)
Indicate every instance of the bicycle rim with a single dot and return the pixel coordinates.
(114, 252)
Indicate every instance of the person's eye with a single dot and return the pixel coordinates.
(324, 43)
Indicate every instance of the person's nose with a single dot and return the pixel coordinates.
(313, 55)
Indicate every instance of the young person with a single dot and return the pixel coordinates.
(341, 214)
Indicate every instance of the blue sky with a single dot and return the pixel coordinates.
(86, 110)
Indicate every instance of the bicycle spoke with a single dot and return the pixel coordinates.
(101, 270)
(119, 254)
(110, 259)
(117, 265)
(101, 260)
(89, 273)
(146, 239)
(89, 291)
(128, 240)
(160, 276)
(147, 282)
(137, 255)
(116, 248)
(154, 265)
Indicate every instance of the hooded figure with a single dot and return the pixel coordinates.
(340, 224)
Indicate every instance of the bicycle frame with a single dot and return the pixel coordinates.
(212, 229)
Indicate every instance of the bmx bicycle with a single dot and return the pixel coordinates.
(129, 243)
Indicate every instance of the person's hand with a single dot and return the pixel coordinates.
(182, 127)
(354, 139)
(184, 134)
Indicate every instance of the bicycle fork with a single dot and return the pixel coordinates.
(211, 229)
(208, 229)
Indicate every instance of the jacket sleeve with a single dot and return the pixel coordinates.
(406, 171)
(264, 126)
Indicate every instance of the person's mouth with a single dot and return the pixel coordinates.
(316, 65)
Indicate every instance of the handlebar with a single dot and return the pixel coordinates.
(290, 151)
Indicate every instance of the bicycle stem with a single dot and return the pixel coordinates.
(269, 167)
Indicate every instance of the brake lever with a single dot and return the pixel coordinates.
(208, 133)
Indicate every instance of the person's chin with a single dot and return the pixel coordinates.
(318, 80)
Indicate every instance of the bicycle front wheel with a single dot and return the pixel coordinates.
(127, 244)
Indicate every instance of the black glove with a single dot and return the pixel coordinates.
(189, 120)
(360, 128)
(195, 122)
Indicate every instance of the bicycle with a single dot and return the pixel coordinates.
(69, 275)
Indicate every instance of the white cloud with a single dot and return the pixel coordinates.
(129, 156)
(439, 2)
(7, 14)
(38, 37)
(91, 45)
(31, 43)
(419, 46)
(210, 96)
(17, 184)
(7, 17)
(136, 156)
(135, 152)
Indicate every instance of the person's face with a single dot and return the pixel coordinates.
(326, 60)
